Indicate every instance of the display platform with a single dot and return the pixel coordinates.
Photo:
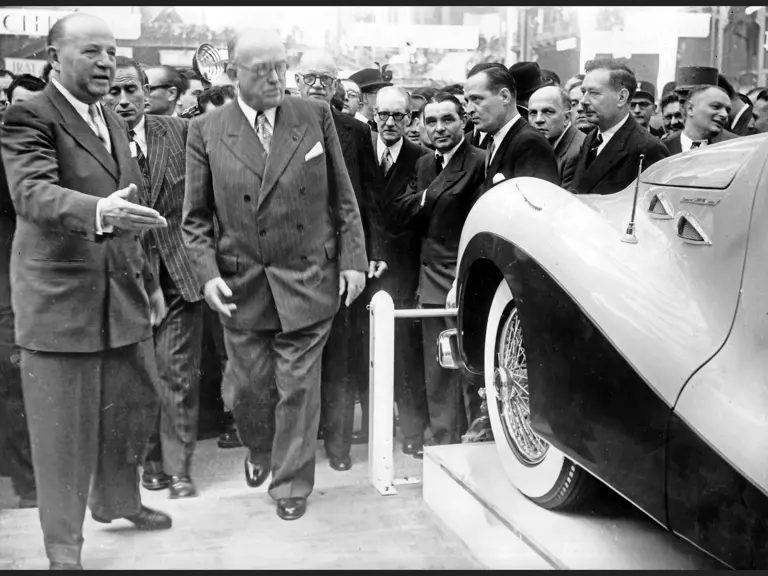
(465, 485)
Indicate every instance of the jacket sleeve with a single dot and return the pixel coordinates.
(657, 151)
(536, 159)
(371, 191)
(346, 212)
(408, 210)
(32, 166)
(197, 216)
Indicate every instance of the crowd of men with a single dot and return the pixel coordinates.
(149, 216)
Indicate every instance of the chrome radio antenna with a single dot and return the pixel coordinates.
(629, 236)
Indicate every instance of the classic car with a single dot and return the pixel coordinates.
(641, 365)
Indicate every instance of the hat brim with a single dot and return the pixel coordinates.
(374, 86)
(646, 94)
(530, 91)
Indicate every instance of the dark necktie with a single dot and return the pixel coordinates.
(592, 154)
(144, 167)
(439, 163)
(386, 163)
(695, 145)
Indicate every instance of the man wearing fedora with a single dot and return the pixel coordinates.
(370, 81)
(528, 79)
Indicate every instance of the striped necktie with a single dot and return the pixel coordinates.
(490, 153)
(144, 167)
(264, 131)
(99, 127)
(386, 162)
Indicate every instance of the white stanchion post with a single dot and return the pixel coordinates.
(381, 394)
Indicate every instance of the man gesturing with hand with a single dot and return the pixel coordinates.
(288, 246)
(80, 290)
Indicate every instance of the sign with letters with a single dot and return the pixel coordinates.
(123, 20)
(25, 66)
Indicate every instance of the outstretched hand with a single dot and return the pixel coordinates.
(118, 211)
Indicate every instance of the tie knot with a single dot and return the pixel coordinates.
(132, 134)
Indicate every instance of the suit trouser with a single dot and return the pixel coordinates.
(178, 348)
(444, 386)
(15, 450)
(89, 416)
(275, 378)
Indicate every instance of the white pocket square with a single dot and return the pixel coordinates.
(499, 177)
(317, 149)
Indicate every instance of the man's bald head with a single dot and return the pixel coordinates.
(81, 51)
(318, 75)
(549, 111)
(392, 102)
(257, 64)
(393, 96)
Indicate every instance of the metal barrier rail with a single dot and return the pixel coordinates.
(381, 397)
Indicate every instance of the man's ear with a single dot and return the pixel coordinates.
(173, 93)
(53, 57)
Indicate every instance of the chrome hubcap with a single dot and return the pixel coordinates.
(510, 382)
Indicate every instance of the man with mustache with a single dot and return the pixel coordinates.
(672, 114)
(344, 367)
(706, 115)
(610, 155)
(159, 144)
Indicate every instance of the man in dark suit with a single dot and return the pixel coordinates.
(549, 112)
(610, 155)
(345, 356)
(80, 286)
(290, 244)
(15, 451)
(706, 116)
(435, 206)
(159, 144)
(515, 148)
(396, 157)
(740, 120)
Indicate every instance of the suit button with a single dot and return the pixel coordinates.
(137, 237)
(424, 262)
(262, 233)
(445, 266)
(267, 264)
(247, 198)
(302, 190)
(300, 227)
(138, 274)
(304, 258)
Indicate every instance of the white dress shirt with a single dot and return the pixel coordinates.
(394, 150)
(500, 135)
(82, 109)
(360, 117)
(610, 133)
(448, 155)
(251, 114)
(482, 135)
(140, 137)
(686, 142)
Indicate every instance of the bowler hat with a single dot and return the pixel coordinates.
(646, 89)
(528, 78)
(370, 79)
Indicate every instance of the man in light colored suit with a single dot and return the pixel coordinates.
(549, 111)
(159, 145)
(290, 244)
(83, 296)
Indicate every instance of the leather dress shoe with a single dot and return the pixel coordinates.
(291, 508)
(413, 448)
(340, 464)
(64, 566)
(229, 439)
(255, 474)
(145, 519)
(182, 488)
(360, 437)
(158, 481)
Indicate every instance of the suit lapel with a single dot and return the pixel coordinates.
(74, 124)
(452, 173)
(345, 138)
(286, 137)
(400, 173)
(157, 155)
(612, 154)
(240, 137)
(499, 154)
(565, 142)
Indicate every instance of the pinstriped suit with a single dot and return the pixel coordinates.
(178, 339)
(288, 224)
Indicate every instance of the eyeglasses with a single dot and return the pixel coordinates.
(264, 68)
(397, 116)
(352, 94)
(310, 79)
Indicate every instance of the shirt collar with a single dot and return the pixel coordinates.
(557, 142)
(141, 128)
(448, 155)
(360, 117)
(394, 150)
(738, 115)
(501, 134)
(79, 106)
(608, 134)
(686, 142)
(251, 114)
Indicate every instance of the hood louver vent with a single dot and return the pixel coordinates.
(660, 207)
(690, 231)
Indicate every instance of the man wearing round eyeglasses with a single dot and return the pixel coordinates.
(345, 365)
(352, 101)
(165, 87)
(289, 245)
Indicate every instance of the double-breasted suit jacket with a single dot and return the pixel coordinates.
(72, 289)
(401, 245)
(287, 226)
(439, 220)
(615, 167)
(166, 155)
(522, 152)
